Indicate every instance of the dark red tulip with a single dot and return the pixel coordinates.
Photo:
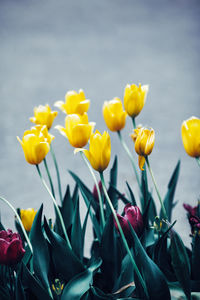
(11, 248)
(95, 193)
(191, 210)
(134, 216)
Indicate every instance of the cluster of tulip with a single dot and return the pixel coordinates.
(101, 204)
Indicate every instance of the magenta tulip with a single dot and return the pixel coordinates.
(134, 216)
(11, 248)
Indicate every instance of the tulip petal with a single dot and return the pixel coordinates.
(15, 251)
(141, 161)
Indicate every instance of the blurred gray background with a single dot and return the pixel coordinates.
(50, 47)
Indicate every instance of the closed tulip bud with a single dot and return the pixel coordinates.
(144, 143)
(99, 151)
(43, 115)
(134, 216)
(114, 115)
(77, 129)
(27, 217)
(134, 98)
(75, 103)
(191, 136)
(11, 248)
(36, 144)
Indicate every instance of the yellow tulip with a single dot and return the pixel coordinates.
(27, 217)
(77, 129)
(43, 115)
(114, 115)
(99, 151)
(191, 136)
(75, 103)
(144, 142)
(36, 144)
(134, 98)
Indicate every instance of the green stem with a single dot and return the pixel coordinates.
(129, 155)
(156, 188)
(98, 191)
(198, 160)
(57, 172)
(20, 222)
(122, 235)
(49, 177)
(134, 124)
(56, 207)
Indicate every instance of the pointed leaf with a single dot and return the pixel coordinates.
(41, 259)
(113, 183)
(132, 197)
(76, 234)
(196, 257)
(180, 263)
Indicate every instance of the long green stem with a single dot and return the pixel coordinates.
(198, 160)
(57, 172)
(56, 207)
(129, 155)
(156, 188)
(49, 177)
(20, 222)
(97, 187)
(133, 121)
(122, 235)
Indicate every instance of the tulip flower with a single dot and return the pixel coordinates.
(27, 217)
(191, 136)
(99, 151)
(134, 216)
(36, 144)
(114, 115)
(75, 103)
(11, 248)
(43, 115)
(134, 98)
(77, 129)
(144, 142)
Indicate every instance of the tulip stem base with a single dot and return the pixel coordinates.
(156, 188)
(122, 235)
(20, 222)
(98, 190)
(57, 172)
(49, 177)
(130, 156)
(56, 207)
(198, 160)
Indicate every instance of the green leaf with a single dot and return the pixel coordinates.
(111, 254)
(30, 282)
(126, 274)
(121, 196)
(169, 198)
(196, 257)
(67, 209)
(180, 263)
(65, 261)
(20, 294)
(155, 281)
(113, 183)
(84, 192)
(85, 225)
(41, 259)
(76, 233)
(132, 197)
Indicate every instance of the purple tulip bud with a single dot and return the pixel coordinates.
(134, 216)
(191, 210)
(11, 248)
(95, 193)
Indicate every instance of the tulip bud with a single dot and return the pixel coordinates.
(95, 193)
(191, 136)
(77, 129)
(27, 217)
(134, 98)
(36, 144)
(99, 151)
(43, 115)
(114, 115)
(144, 143)
(11, 248)
(192, 210)
(75, 103)
(133, 215)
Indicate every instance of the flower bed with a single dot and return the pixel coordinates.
(134, 255)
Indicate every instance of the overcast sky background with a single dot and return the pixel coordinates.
(49, 47)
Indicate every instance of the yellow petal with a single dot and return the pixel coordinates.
(141, 161)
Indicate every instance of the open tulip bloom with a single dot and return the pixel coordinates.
(135, 254)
